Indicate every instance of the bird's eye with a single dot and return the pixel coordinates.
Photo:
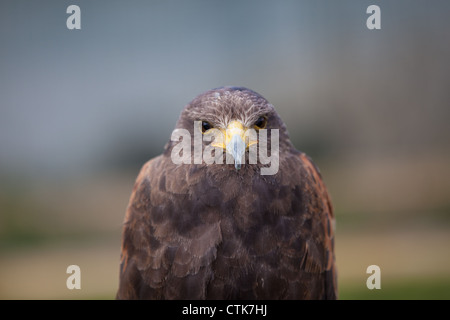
(206, 126)
(261, 123)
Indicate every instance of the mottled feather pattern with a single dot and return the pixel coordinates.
(212, 232)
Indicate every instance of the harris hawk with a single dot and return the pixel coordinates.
(197, 230)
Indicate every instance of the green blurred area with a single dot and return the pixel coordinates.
(426, 288)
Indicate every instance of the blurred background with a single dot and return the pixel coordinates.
(82, 110)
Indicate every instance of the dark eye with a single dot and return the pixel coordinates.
(261, 123)
(206, 126)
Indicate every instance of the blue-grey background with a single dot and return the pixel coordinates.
(82, 110)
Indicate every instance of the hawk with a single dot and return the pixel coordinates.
(225, 230)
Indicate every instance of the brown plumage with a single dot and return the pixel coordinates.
(198, 231)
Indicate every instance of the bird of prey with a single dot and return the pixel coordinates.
(197, 230)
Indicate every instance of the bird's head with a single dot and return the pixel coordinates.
(230, 120)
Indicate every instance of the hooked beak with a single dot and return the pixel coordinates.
(235, 142)
(236, 147)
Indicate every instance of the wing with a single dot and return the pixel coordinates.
(163, 242)
(317, 250)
